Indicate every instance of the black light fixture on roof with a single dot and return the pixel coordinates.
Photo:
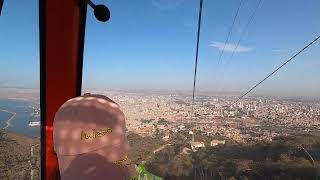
(101, 12)
(1, 4)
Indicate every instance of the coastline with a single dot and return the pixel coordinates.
(16, 114)
(8, 122)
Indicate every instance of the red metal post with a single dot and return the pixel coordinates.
(61, 52)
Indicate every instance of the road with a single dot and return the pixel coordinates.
(160, 148)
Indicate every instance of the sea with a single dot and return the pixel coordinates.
(25, 113)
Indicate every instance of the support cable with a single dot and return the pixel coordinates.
(196, 59)
(230, 30)
(245, 28)
(273, 72)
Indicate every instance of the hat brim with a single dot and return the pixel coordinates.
(97, 164)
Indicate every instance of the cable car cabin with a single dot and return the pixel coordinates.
(62, 27)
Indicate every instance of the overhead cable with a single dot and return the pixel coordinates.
(245, 28)
(196, 58)
(282, 65)
(230, 30)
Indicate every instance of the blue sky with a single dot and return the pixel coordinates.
(150, 44)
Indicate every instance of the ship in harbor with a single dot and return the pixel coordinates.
(34, 123)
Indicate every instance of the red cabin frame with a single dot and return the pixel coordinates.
(62, 32)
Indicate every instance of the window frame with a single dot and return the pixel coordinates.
(62, 33)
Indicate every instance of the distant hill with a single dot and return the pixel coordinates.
(26, 94)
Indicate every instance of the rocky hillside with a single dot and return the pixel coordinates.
(16, 161)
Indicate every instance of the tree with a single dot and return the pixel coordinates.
(181, 166)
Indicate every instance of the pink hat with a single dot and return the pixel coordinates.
(89, 139)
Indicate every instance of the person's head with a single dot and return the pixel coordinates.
(89, 139)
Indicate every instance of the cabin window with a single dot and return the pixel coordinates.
(144, 56)
(19, 91)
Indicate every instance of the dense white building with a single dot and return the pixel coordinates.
(217, 142)
(196, 145)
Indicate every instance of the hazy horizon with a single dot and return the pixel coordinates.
(34, 91)
(151, 45)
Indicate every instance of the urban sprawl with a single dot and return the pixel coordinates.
(248, 120)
